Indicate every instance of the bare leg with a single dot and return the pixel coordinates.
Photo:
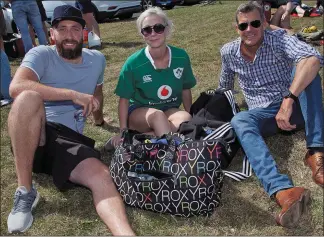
(32, 35)
(276, 18)
(26, 124)
(92, 24)
(148, 119)
(176, 117)
(93, 174)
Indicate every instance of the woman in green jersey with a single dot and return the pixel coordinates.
(154, 81)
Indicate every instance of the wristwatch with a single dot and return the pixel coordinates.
(288, 94)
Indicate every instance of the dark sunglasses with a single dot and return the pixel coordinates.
(158, 28)
(243, 26)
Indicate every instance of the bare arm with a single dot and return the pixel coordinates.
(123, 113)
(98, 115)
(187, 99)
(26, 79)
(306, 71)
(123, 117)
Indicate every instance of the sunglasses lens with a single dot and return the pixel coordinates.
(146, 31)
(243, 26)
(159, 28)
(256, 23)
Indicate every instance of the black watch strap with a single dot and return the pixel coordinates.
(292, 96)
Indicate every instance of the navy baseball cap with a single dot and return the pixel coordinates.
(67, 12)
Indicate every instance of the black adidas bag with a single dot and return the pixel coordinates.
(211, 116)
(168, 174)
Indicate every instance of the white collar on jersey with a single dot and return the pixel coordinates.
(148, 55)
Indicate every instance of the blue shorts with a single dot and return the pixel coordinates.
(133, 107)
(85, 6)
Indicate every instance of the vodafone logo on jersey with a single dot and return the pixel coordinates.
(164, 92)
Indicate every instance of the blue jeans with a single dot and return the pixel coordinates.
(5, 75)
(20, 11)
(250, 126)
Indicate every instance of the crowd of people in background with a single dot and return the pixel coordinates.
(57, 87)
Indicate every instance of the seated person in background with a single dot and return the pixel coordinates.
(154, 81)
(277, 99)
(281, 18)
(299, 10)
(86, 8)
(59, 86)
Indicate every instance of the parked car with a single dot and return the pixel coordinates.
(190, 2)
(122, 9)
(167, 4)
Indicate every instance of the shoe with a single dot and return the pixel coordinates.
(315, 160)
(20, 218)
(293, 203)
(109, 146)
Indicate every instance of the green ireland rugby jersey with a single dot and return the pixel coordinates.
(146, 86)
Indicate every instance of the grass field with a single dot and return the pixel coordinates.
(245, 208)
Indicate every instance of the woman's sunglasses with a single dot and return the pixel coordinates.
(158, 28)
(244, 26)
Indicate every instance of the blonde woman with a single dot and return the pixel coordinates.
(154, 81)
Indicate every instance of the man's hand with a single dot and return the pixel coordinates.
(284, 115)
(88, 102)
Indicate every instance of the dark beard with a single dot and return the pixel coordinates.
(70, 53)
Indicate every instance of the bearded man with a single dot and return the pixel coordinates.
(55, 89)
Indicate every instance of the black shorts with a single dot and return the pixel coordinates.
(63, 151)
(85, 6)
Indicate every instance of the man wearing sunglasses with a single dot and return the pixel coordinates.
(278, 100)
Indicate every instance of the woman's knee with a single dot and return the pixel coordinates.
(156, 117)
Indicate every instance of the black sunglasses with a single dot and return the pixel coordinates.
(158, 28)
(243, 26)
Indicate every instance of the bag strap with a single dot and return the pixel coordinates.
(219, 132)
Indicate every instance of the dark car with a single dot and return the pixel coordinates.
(167, 4)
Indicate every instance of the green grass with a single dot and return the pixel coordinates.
(245, 208)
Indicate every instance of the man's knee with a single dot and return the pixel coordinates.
(27, 102)
(98, 176)
(240, 119)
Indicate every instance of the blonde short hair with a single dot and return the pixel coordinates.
(158, 12)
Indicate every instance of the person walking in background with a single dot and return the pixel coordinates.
(44, 18)
(23, 10)
(279, 97)
(87, 13)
